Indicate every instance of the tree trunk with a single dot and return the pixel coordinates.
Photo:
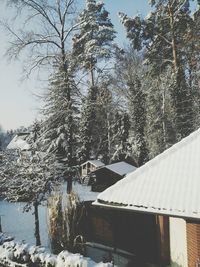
(69, 184)
(164, 117)
(109, 137)
(0, 225)
(173, 42)
(37, 226)
(92, 73)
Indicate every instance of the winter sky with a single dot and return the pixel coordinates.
(19, 105)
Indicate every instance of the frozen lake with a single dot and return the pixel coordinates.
(20, 224)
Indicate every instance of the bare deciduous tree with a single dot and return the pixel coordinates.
(45, 32)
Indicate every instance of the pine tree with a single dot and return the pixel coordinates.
(163, 34)
(121, 132)
(59, 126)
(106, 111)
(88, 125)
(160, 125)
(92, 45)
(132, 85)
(192, 54)
(94, 42)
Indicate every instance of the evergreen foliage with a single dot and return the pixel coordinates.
(94, 41)
(147, 102)
(163, 35)
(101, 102)
(132, 85)
(93, 44)
(59, 127)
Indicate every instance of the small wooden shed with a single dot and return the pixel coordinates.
(108, 175)
(90, 166)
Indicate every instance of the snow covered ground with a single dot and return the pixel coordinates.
(15, 254)
(84, 192)
(22, 226)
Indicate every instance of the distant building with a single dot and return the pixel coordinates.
(108, 175)
(154, 212)
(19, 142)
(90, 166)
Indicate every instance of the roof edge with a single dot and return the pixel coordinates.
(146, 210)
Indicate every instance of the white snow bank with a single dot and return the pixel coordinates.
(15, 254)
(84, 193)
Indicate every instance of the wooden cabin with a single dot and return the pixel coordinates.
(90, 166)
(108, 175)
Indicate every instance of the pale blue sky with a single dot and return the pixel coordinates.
(18, 106)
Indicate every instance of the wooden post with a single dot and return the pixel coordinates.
(163, 239)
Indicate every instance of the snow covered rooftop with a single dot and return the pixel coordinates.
(19, 142)
(121, 168)
(96, 163)
(168, 184)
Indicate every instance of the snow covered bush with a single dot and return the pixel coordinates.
(16, 254)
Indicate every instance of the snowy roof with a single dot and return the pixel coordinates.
(121, 168)
(19, 142)
(96, 163)
(168, 184)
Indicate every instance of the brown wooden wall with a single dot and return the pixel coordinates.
(193, 243)
(134, 233)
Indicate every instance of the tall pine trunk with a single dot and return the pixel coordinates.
(182, 97)
(173, 41)
(37, 225)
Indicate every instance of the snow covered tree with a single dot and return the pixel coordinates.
(163, 34)
(160, 121)
(27, 177)
(121, 132)
(88, 125)
(192, 54)
(106, 111)
(131, 85)
(58, 132)
(91, 46)
(98, 139)
(94, 42)
(46, 38)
